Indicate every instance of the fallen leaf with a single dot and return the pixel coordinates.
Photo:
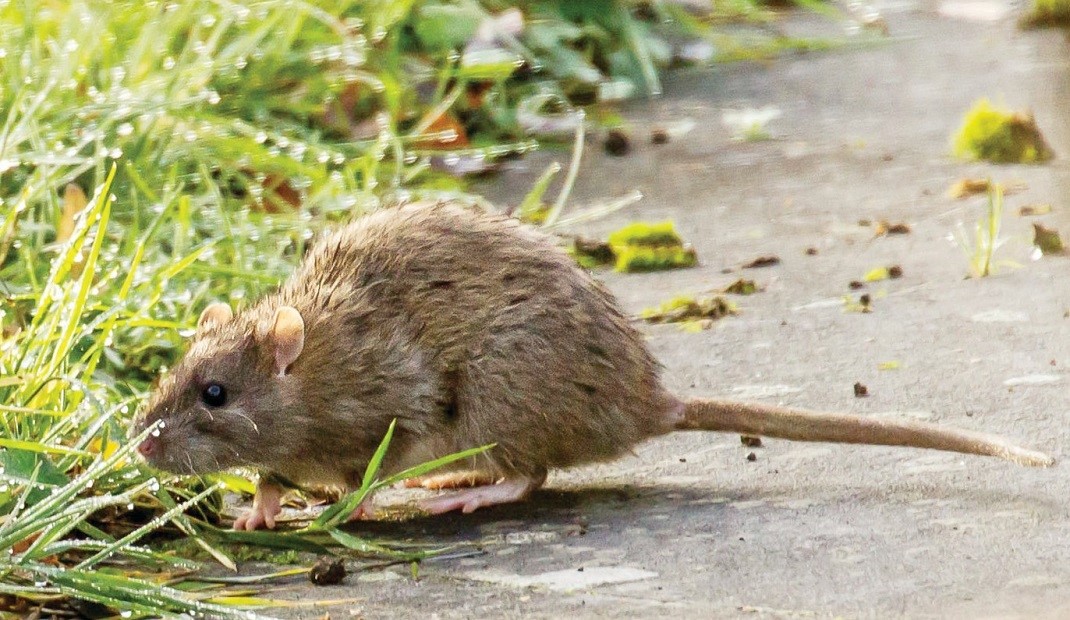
(884, 227)
(876, 275)
(741, 287)
(689, 310)
(964, 188)
(880, 273)
(862, 304)
(1047, 239)
(74, 202)
(762, 261)
(1036, 209)
(444, 132)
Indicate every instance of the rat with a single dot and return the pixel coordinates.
(469, 329)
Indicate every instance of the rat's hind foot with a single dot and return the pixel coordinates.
(267, 504)
(365, 511)
(510, 489)
(451, 480)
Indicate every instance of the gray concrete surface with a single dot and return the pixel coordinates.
(687, 527)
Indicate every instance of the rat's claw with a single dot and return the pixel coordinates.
(267, 503)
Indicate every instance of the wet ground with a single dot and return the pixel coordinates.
(688, 526)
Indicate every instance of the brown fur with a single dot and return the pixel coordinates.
(467, 328)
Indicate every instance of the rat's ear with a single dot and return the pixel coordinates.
(213, 316)
(287, 337)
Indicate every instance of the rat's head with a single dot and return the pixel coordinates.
(218, 406)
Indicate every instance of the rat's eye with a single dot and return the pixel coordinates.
(214, 395)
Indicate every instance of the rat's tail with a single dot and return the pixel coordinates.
(787, 423)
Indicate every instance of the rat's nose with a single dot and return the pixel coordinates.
(147, 447)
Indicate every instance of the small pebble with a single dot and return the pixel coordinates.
(861, 391)
(752, 457)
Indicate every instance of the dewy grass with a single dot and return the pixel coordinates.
(214, 139)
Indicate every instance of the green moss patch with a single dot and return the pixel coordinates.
(647, 234)
(646, 246)
(636, 259)
(1000, 136)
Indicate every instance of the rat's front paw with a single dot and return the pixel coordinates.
(267, 504)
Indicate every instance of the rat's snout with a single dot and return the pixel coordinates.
(148, 447)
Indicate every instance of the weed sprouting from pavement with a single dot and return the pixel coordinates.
(979, 246)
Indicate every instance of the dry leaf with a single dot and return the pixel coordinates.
(445, 132)
(964, 188)
(74, 202)
(884, 227)
(742, 287)
(1047, 239)
(763, 261)
(1037, 209)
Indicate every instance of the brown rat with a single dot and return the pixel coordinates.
(469, 329)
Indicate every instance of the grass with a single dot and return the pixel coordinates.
(156, 156)
(979, 247)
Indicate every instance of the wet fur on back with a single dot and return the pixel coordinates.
(467, 327)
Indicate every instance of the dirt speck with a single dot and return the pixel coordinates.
(752, 457)
(618, 143)
(659, 136)
(861, 391)
(811, 251)
(854, 285)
